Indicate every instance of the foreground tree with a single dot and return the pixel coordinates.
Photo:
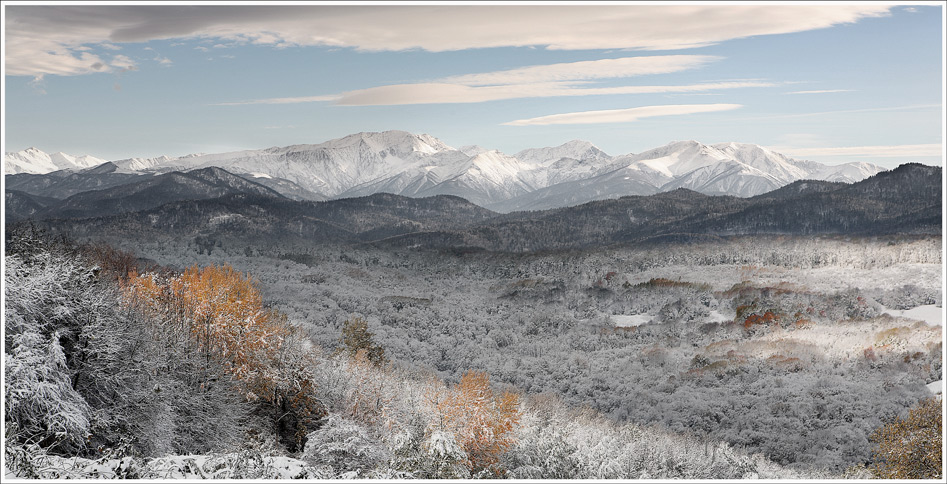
(221, 310)
(83, 374)
(910, 448)
(483, 423)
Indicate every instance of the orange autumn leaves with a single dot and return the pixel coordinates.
(910, 448)
(223, 313)
(482, 422)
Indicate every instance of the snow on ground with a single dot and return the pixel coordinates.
(189, 467)
(821, 279)
(630, 320)
(716, 317)
(930, 314)
(207, 467)
(844, 339)
(936, 387)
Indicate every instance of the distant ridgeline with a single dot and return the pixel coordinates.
(420, 165)
(213, 205)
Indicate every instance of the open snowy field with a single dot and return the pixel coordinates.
(821, 279)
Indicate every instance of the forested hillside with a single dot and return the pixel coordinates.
(677, 335)
(906, 200)
(114, 369)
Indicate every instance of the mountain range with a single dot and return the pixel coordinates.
(420, 165)
(903, 201)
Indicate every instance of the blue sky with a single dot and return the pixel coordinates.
(832, 83)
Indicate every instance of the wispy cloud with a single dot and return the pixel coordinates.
(822, 91)
(551, 80)
(436, 93)
(38, 84)
(882, 151)
(281, 100)
(442, 93)
(586, 70)
(622, 115)
(123, 63)
(45, 39)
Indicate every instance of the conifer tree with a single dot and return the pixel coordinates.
(356, 338)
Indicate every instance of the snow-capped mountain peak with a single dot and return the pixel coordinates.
(421, 165)
(35, 160)
(780, 166)
(679, 157)
(574, 150)
(471, 150)
(395, 142)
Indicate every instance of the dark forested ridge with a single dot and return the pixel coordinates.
(65, 183)
(904, 200)
(147, 192)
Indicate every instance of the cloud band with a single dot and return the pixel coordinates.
(622, 115)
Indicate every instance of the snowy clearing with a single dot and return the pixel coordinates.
(936, 387)
(821, 279)
(930, 314)
(630, 320)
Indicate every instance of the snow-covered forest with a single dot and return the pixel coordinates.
(763, 358)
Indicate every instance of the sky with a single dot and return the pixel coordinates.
(827, 82)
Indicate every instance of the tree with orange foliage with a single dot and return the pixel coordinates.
(911, 448)
(222, 312)
(482, 422)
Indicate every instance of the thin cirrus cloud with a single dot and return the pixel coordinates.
(622, 115)
(46, 39)
(881, 151)
(822, 91)
(551, 80)
(282, 100)
(443, 93)
(436, 93)
(586, 70)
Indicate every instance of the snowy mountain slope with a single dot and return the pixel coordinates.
(567, 162)
(574, 150)
(145, 164)
(335, 166)
(847, 172)
(419, 165)
(627, 180)
(726, 178)
(738, 169)
(484, 179)
(777, 165)
(33, 160)
(285, 187)
(679, 157)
